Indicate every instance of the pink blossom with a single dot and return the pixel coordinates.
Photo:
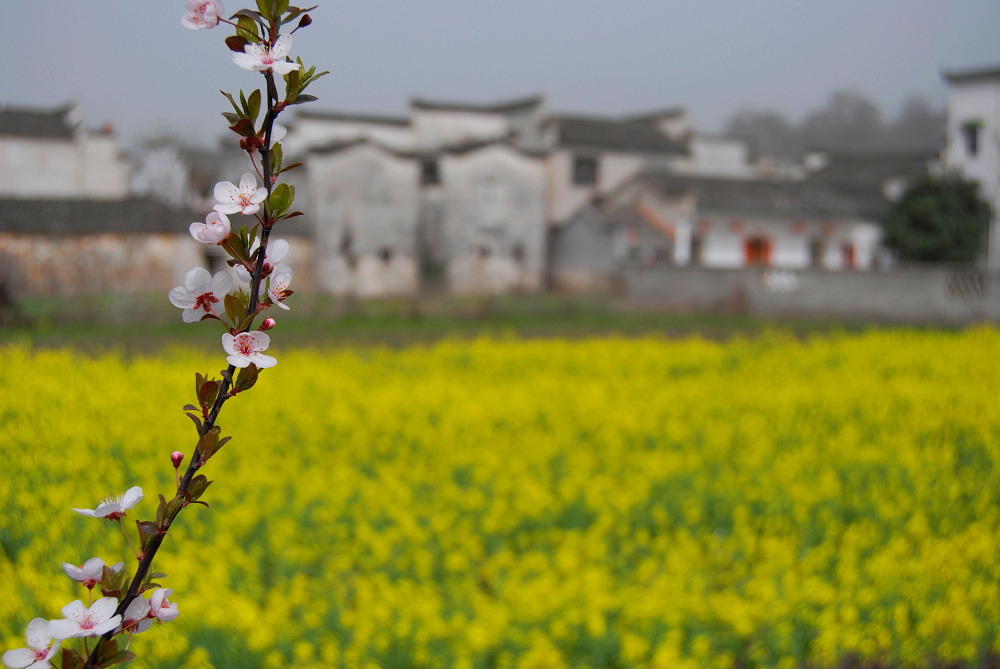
(201, 294)
(262, 57)
(161, 606)
(202, 14)
(138, 616)
(276, 250)
(81, 621)
(90, 572)
(38, 653)
(114, 507)
(214, 230)
(246, 347)
(277, 284)
(245, 198)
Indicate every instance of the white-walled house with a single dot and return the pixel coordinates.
(477, 175)
(48, 154)
(364, 202)
(973, 138)
(494, 220)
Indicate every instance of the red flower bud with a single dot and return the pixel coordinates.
(304, 21)
(177, 458)
(267, 324)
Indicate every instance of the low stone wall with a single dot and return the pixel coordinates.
(953, 295)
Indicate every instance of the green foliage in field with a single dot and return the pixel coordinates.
(507, 503)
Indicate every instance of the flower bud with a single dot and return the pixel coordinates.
(177, 458)
(267, 324)
(304, 21)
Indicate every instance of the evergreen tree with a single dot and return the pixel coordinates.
(939, 219)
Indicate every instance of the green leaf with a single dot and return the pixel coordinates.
(206, 446)
(196, 419)
(121, 656)
(229, 97)
(206, 396)
(161, 511)
(243, 127)
(266, 8)
(147, 531)
(302, 99)
(281, 198)
(233, 311)
(281, 6)
(197, 487)
(246, 379)
(246, 27)
(254, 105)
(276, 156)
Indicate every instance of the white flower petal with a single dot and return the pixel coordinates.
(20, 658)
(228, 344)
(137, 609)
(63, 629)
(74, 572)
(104, 608)
(248, 182)
(181, 298)
(263, 361)
(196, 279)
(246, 61)
(284, 67)
(38, 633)
(221, 283)
(282, 46)
(132, 496)
(228, 208)
(93, 568)
(240, 361)
(276, 250)
(251, 209)
(260, 340)
(259, 195)
(86, 512)
(192, 315)
(167, 614)
(75, 611)
(226, 192)
(107, 626)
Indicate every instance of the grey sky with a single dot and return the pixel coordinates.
(133, 64)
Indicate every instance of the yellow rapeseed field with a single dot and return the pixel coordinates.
(533, 504)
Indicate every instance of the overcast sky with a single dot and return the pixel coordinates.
(131, 63)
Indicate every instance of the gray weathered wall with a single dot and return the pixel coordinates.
(918, 295)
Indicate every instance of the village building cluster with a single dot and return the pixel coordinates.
(470, 198)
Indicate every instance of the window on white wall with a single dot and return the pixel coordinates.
(970, 134)
(584, 171)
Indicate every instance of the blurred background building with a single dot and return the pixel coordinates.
(489, 198)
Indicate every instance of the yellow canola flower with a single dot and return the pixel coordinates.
(633, 503)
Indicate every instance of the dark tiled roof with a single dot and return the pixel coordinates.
(657, 114)
(78, 217)
(983, 73)
(355, 118)
(872, 169)
(786, 199)
(49, 124)
(133, 216)
(495, 108)
(609, 134)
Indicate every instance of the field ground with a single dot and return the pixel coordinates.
(146, 323)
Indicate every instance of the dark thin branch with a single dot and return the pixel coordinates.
(196, 463)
